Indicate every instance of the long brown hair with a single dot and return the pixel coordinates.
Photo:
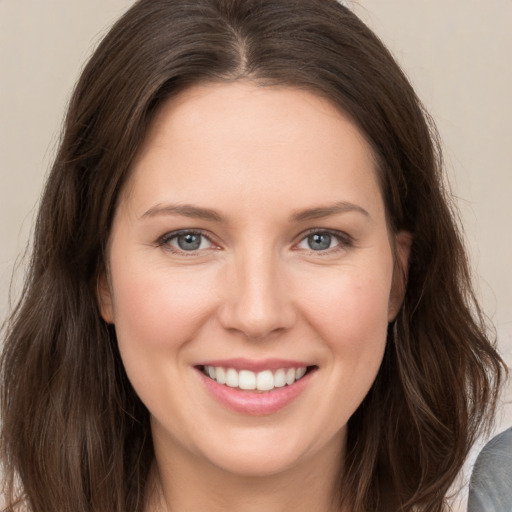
(75, 435)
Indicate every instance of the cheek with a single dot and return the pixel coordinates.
(352, 320)
(157, 315)
(156, 309)
(350, 310)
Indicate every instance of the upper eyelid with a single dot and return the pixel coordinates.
(164, 239)
(178, 232)
(340, 234)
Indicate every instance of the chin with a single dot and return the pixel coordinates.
(252, 464)
(265, 453)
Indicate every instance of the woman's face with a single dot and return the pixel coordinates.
(251, 244)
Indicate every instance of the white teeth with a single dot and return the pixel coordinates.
(246, 380)
(265, 380)
(232, 378)
(300, 373)
(220, 375)
(279, 378)
(290, 376)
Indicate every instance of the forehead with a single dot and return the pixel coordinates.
(214, 140)
(264, 113)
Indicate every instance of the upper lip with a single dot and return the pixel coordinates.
(241, 363)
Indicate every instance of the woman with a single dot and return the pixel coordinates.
(247, 289)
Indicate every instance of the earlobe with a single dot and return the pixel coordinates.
(104, 298)
(403, 242)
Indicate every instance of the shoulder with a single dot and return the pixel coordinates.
(491, 481)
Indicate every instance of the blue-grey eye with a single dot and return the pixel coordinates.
(189, 241)
(320, 241)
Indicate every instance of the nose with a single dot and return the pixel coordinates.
(257, 302)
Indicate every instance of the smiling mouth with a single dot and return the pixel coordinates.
(263, 381)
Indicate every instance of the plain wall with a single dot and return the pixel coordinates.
(456, 53)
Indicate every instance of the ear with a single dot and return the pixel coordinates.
(403, 241)
(104, 298)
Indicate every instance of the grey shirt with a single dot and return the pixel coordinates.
(490, 488)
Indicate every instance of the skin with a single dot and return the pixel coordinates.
(257, 157)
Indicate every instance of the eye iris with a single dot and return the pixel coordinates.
(319, 241)
(189, 241)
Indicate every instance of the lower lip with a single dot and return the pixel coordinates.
(255, 403)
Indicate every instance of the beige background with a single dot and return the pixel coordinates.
(456, 52)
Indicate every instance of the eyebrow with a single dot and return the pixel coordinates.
(326, 211)
(196, 212)
(185, 210)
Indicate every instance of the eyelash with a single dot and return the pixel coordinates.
(165, 240)
(344, 240)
